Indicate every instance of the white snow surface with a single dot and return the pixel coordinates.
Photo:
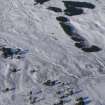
(52, 53)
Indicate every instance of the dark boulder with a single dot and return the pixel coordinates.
(93, 48)
(40, 1)
(77, 38)
(71, 11)
(49, 83)
(68, 28)
(68, 4)
(62, 19)
(80, 45)
(55, 9)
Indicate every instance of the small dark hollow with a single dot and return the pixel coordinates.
(55, 9)
(9, 52)
(8, 89)
(71, 11)
(79, 4)
(33, 100)
(30, 92)
(62, 19)
(32, 71)
(15, 70)
(93, 48)
(80, 103)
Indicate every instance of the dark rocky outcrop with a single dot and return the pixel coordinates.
(93, 48)
(77, 38)
(71, 11)
(68, 4)
(55, 9)
(62, 19)
(68, 29)
(40, 1)
(80, 45)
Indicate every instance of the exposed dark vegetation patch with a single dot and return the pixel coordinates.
(55, 9)
(68, 4)
(71, 11)
(62, 19)
(93, 48)
(40, 1)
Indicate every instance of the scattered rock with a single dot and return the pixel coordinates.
(7, 89)
(10, 52)
(79, 99)
(62, 19)
(77, 38)
(68, 29)
(33, 100)
(60, 103)
(80, 103)
(80, 45)
(14, 70)
(55, 9)
(93, 48)
(79, 4)
(40, 1)
(71, 11)
(51, 83)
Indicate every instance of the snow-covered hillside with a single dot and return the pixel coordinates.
(52, 52)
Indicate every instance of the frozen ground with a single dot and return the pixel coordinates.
(62, 64)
